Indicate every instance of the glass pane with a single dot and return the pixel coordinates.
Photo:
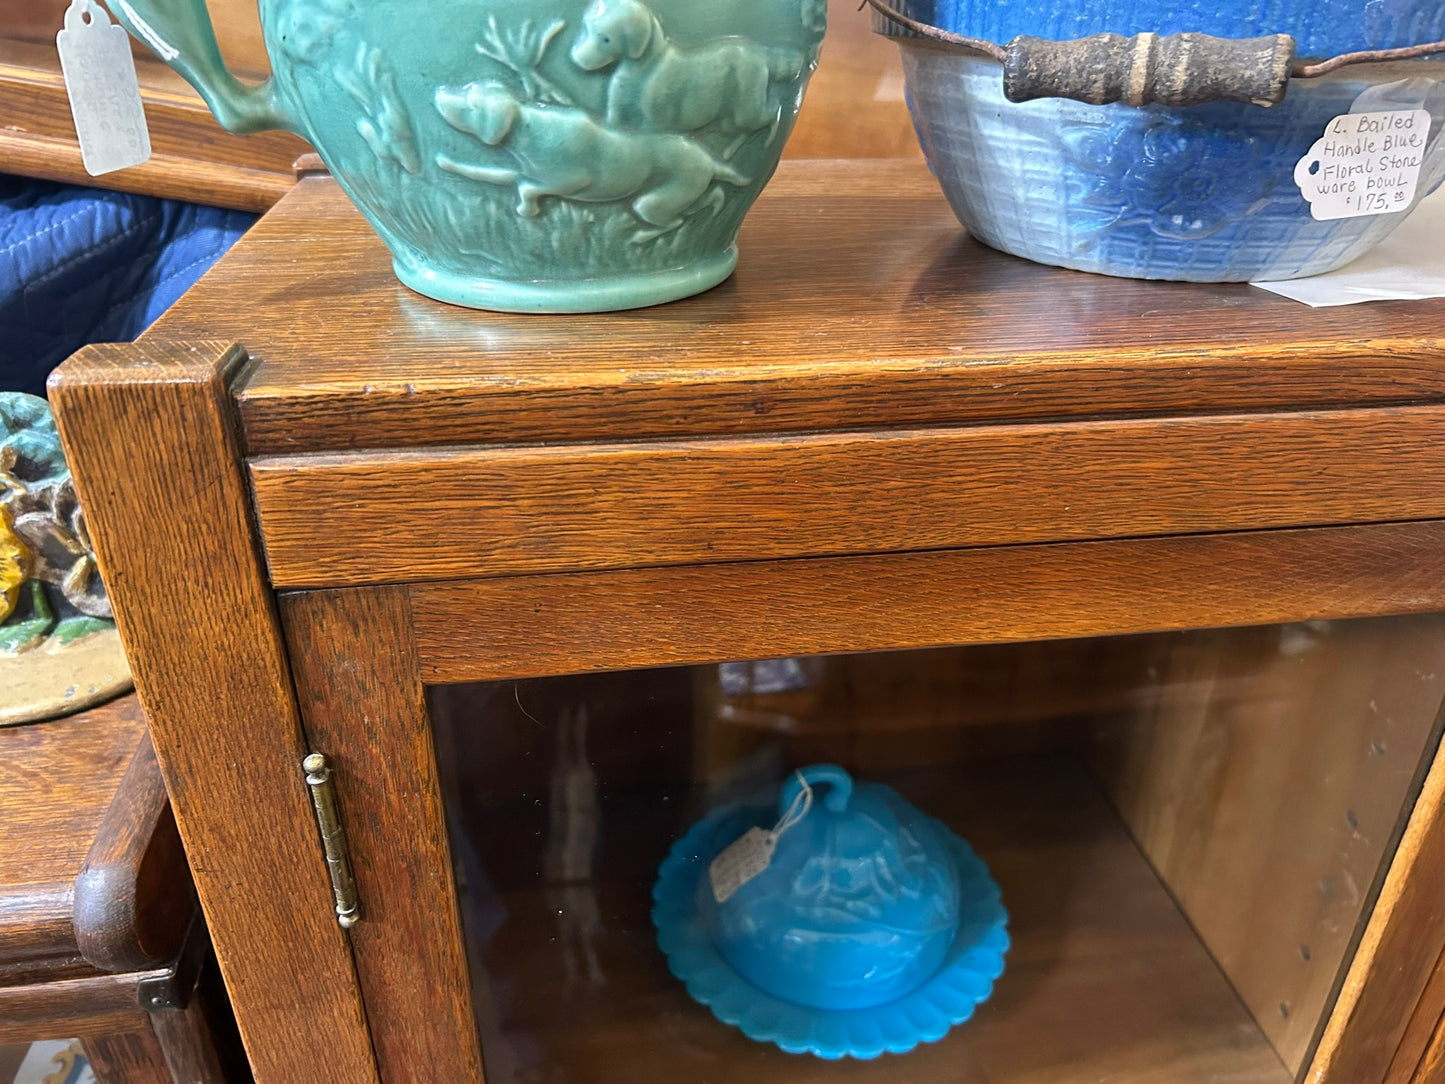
(1185, 828)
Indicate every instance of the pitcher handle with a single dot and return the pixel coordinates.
(181, 34)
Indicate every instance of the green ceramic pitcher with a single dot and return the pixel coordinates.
(526, 155)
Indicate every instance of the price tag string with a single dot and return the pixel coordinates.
(802, 802)
(751, 853)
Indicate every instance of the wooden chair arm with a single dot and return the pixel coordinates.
(133, 896)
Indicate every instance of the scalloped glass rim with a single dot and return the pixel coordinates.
(926, 1015)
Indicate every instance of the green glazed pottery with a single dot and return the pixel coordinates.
(526, 155)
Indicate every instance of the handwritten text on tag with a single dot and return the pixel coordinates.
(100, 78)
(740, 861)
(1365, 164)
(752, 852)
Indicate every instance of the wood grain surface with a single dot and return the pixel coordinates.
(870, 381)
(388, 517)
(37, 934)
(133, 895)
(91, 1005)
(189, 1047)
(359, 686)
(855, 103)
(175, 1046)
(1397, 953)
(1263, 772)
(237, 23)
(193, 157)
(1422, 1048)
(132, 1057)
(1430, 1069)
(196, 615)
(57, 780)
(526, 626)
(858, 303)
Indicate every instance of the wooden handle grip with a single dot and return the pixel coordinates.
(1181, 69)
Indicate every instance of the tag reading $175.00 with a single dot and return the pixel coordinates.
(104, 94)
(1365, 164)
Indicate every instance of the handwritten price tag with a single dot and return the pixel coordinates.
(751, 854)
(105, 101)
(740, 862)
(1365, 164)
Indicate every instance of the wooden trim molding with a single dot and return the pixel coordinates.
(1403, 939)
(359, 685)
(61, 1010)
(388, 517)
(193, 157)
(149, 434)
(534, 625)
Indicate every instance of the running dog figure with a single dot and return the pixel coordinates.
(561, 151)
(657, 86)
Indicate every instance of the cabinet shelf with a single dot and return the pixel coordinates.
(1105, 979)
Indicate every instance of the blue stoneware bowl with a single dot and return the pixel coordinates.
(1321, 27)
(874, 927)
(1201, 193)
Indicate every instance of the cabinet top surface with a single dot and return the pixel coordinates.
(858, 302)
(59, 779)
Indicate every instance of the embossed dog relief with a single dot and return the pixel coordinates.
(100, 78)
(1365, 164)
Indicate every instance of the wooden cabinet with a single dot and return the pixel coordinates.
(100, 936)
(1136, 584)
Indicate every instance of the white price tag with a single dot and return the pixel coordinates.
(100, 78)
(752, 852)
(1365, 164)
(741, 861)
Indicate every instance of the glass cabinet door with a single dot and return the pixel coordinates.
(1185, 832)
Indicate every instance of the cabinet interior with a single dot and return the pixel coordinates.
(1188, 828)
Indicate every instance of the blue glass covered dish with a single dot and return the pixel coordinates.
(872, 928)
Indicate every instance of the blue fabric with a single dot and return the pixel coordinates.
(80, 265)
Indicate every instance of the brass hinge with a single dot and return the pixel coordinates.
(333, 839)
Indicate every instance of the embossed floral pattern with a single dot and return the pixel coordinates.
(306, 29)
(1158, 172)
(14, 562)
(384, 124)
(963, 981)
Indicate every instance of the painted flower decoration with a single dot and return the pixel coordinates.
(43, 537)
(50, 523)
(14, 564)
(1180, 180)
